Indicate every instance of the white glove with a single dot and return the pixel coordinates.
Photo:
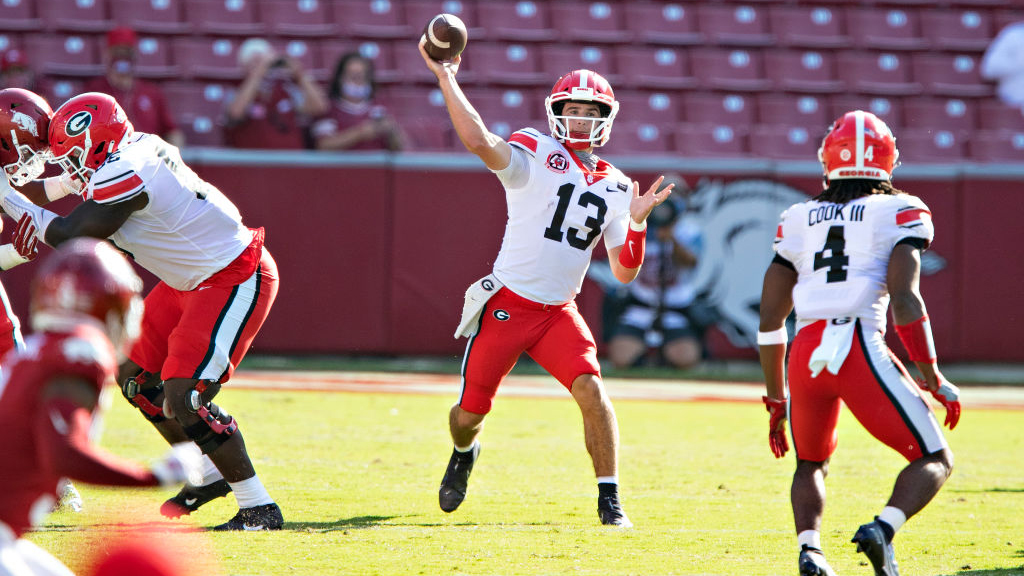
(182, 463)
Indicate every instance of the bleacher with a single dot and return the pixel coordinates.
(759, 78)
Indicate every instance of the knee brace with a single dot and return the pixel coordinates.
(147, 397)
(215, 426)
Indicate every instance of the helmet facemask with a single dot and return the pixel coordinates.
(30, 164)
(600, 126)
(73, 161)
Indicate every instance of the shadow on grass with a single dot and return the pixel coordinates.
(1018, 571)
(362, 522)
(986, 490)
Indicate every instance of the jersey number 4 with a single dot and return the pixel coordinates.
(593, 223)
(837, 260)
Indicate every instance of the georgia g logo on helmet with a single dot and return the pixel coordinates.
(78, 123)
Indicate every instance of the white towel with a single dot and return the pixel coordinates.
(834, 347)
(477, 295)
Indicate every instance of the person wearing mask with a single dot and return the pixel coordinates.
(354, 120)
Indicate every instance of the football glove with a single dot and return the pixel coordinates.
(949, 396)
(777, 426)
(182, 463)
(24, 238)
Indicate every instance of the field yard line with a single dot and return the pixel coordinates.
(1009, 397)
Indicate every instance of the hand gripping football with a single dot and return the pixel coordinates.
(446, 37)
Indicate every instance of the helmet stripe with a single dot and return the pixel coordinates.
(859, 125)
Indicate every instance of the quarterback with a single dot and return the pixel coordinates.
(561, 198)
(841, 257)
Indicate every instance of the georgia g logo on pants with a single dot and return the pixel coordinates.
(501, 315)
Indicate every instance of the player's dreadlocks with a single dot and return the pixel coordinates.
(842, 191)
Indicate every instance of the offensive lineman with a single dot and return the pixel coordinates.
(217, 283)
(561, 198)
(840, 258)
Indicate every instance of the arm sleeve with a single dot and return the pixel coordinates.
(63, 434)
(517, 174)
(115, 186)
(787, 242)
(912, 219)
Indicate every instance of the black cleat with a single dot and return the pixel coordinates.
(870, 539)
(265, 517)
(456, 478)
(192, 497)
(610, 512)
(812, 562)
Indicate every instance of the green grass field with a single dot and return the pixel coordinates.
(357, 475)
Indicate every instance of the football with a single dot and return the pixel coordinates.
(446, 36)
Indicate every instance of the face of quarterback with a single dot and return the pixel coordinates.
(579, 112)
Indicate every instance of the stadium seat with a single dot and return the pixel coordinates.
(810, 112)
(409, 66)
(406, 102)
(508, 64)
(883, 73)
(20, 15)
(994, 114)
(942, 114)
(658, 23)
(372, 19)
(711, 141)
(505, 110)
(950, 74)
(890, 110)
(781, 142)
(201, 130)
(590, 22)
(298, 17)
(997, 146)
(151, 16)
(809, 27)
(516, 20)
(735, 25)
(1004, 17)
(224, 17)
(419, 12)
(654, 67)
(75, 15)
(958, 29)
(155, 58)
(10, 41)
(729, 69)
(649, 106)
(196, 98)
(58, 90)
(306, 52)
(559, 59)
(431, 134)
(380, 53)
(885, 28)
(639, 138)
(797, 71)
(930, 146)
(208, 58)
(64, 54)
(719, 109)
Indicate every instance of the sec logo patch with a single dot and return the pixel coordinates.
(501, 315)
(557, 163)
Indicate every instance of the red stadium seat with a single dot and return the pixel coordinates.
(307, 53)
(654, 67)
(930, 146)
(409, 65)
(884, 73)
(505, 110)
(298, 17)
(380, 53)
(76, 15)
(201, 131)
(657, 23)
(809, 26)
(997, 146)
(508, 64)
(649, 107)
(994, 114)
(809, 71)
(590, 22)
(20, 15)
(208, 58)
(942, 114)
(780, 142)
(373, 19)
(885, 28)
(639, 138)
(196, 98)
(729, 69)
(155, 58)
(151, 16)
(711, 141)
(405, 102)
(951, 74)
(418, 14)
(890, 110)
(559, 59)
(10, 42)
(60, 90)
(64, 55)
(735, 25)
(736, 110)
(431, 134)
(958, 29)
(810, 112)
(516, 20)
(224, 17)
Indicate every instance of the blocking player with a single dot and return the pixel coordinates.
(85, 305)
(840, 258)
(217, 284)
(561, 199)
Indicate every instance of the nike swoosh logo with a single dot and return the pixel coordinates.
(190, 501)
(256, 528)
(609, 189)
(631, 252)
(202, 288)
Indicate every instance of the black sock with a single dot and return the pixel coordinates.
(886, 529)
(609, 490)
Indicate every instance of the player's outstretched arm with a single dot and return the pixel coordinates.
(625, 260)
(93, 219)
(491, 148)
(776, 304)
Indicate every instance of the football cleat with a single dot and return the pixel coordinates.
(610, 512)
(255, 519)
(190, 498)
(456, 478)
(812, 562)
(870, 539)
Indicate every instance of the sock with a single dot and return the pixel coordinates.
(891, 519)
(809, 538)
(250, 492)
(210, 472)
(607, 479)
(466, 450)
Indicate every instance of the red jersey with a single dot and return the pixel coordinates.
(144, 103)
(271, 120)
(48, 439)
(343, 115)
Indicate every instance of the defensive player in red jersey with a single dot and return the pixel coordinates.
(840, 258)
(85, 305)
(561, 199)
(217, 284)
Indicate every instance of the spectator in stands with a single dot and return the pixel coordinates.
(143, 101)
(355, 121)
(657, 309)
(1004, 62)
(273, 105)
(15, 71)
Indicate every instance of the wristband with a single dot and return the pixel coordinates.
(9, 257)
(55, 188)
(632, 253)
(780, 336)
(917, 339)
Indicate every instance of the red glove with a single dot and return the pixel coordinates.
(777, 426)
(949, 396)
(24, 239)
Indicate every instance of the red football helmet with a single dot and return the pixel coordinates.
(88, 280)
(24, 121)
(581, 86)
(85, 130)
(859, 145)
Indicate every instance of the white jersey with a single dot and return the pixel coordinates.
(555, 217)
(188, 231)
(841, 253)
